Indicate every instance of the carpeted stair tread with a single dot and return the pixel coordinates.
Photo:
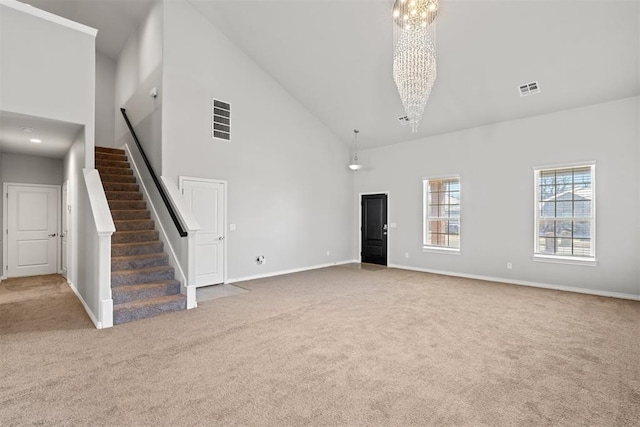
(114, 171)
(130, 293)
(106, 177)
(123, 195)
(141, 270)
(134, 224)
(141, 303)
(108, 163)
(120, 186)
(111, 156)
(141, 275)
(127, 204)
(134, 236)
(136, 248)
(130, 214)
(109, 150)
(132, 262)
(141, 309)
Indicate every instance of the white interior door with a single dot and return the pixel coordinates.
(206, 200)
(32, 221)
(65, 228)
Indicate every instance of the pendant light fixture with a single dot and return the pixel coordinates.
(354, 166)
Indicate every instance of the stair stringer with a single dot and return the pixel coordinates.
(186, 290)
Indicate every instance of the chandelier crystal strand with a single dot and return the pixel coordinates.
(414, 57)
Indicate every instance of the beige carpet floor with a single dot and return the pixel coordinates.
(339, 346)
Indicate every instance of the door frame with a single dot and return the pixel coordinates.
(371, 193)
(64, 213)
(181, 180)
(5, 224)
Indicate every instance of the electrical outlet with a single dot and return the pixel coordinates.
(509, 266)
(260, 260)
(406, 254)
(328, 252)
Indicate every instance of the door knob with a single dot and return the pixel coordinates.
(221, 238)
(53, 235)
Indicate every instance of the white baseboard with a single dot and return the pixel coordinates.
(522, 283)
(283, 272)
(92, 316)
(106, 312)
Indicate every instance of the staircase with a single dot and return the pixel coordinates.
(142, 282)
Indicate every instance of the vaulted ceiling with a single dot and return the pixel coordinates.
(335, 56)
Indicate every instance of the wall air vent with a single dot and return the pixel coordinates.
(529, 89)
(221, 120)
(404, 120)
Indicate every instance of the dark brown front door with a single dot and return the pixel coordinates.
(374, 229)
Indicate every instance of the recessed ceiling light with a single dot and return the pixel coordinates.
(35, 140)
(28, 130)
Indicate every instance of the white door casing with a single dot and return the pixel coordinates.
(206, 199)
(64, 235)
(32, 229)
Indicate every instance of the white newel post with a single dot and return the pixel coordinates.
(104, 279)
(100, 242)
(191, 271)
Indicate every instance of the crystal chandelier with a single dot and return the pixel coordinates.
(414, 57)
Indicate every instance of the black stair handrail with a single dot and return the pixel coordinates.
(163, 194)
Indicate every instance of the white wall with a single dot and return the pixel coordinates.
(82, 237)
(47, 69)
(141, 56)
(105, 100)
(289, 190)
(31, 170)
(72, 171)
(139, 69)
(495, 164)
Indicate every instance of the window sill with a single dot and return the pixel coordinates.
(592, 262)
(441, 250)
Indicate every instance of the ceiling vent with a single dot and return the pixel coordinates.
(529, 89)
(404, 120)
(221, 120)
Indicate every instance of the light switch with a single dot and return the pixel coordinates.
(393, 225)
(232, 227)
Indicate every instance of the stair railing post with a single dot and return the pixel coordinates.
(104, 279)
(191, 271)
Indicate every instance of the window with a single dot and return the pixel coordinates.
(565, 212)
(442, 213)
